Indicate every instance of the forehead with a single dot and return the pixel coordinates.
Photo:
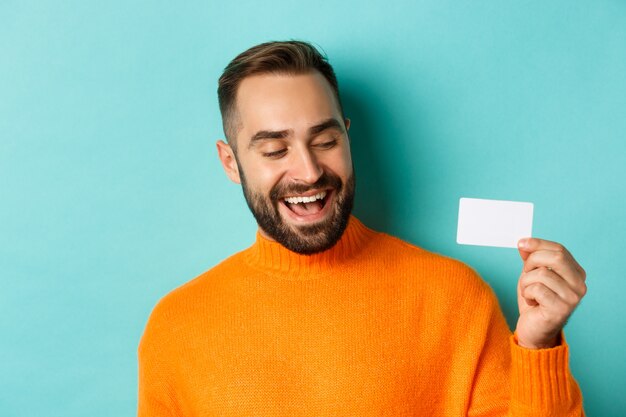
(282, 101)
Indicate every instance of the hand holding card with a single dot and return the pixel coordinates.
(552, 283)
(551, 286)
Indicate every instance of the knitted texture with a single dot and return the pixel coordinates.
(371, 327)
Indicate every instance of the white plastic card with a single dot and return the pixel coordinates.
(493, 222)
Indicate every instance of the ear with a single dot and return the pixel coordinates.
(346, 121)
(229, 163)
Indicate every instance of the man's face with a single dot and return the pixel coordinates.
(293, 160)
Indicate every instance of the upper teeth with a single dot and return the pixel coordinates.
(310, 199)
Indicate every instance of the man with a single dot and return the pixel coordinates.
(323, 316)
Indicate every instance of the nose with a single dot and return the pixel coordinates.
(306, 167)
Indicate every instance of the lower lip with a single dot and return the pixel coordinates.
(311, 217)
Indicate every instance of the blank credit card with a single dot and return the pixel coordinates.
(493, 222)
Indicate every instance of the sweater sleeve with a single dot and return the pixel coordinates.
(517, 382)
(541, 382)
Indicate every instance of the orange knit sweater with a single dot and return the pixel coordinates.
(372, 327)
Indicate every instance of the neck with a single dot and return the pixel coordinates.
(274, 257)
(263, 234)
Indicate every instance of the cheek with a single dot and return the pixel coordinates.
(342, 164)
(348, 162)
(262, 177)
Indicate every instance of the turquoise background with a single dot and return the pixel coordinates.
(111, 193)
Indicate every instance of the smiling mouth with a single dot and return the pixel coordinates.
(307, 205)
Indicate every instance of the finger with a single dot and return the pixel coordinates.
(532, 244)
(554, 282)
(559, 262)
(550, 258)
(556, 310)
(528, 246)
(540, 294)
(523, 253)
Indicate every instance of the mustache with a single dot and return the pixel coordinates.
(325, 181)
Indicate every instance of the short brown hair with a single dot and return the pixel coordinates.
(285, 57)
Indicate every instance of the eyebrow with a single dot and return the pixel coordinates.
(330, 123)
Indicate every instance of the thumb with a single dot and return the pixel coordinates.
(522, 253)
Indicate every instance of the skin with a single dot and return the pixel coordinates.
(551, 284)
(549, 289)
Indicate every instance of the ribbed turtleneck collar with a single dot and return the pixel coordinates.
(274, 257)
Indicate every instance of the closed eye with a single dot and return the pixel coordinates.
(275, 154)
(327, 145)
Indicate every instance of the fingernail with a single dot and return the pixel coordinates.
(522, 243)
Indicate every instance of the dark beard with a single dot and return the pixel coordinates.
(309, 239)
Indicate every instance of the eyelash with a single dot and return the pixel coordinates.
(324, 145)
(274, 154)
(327, 145)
